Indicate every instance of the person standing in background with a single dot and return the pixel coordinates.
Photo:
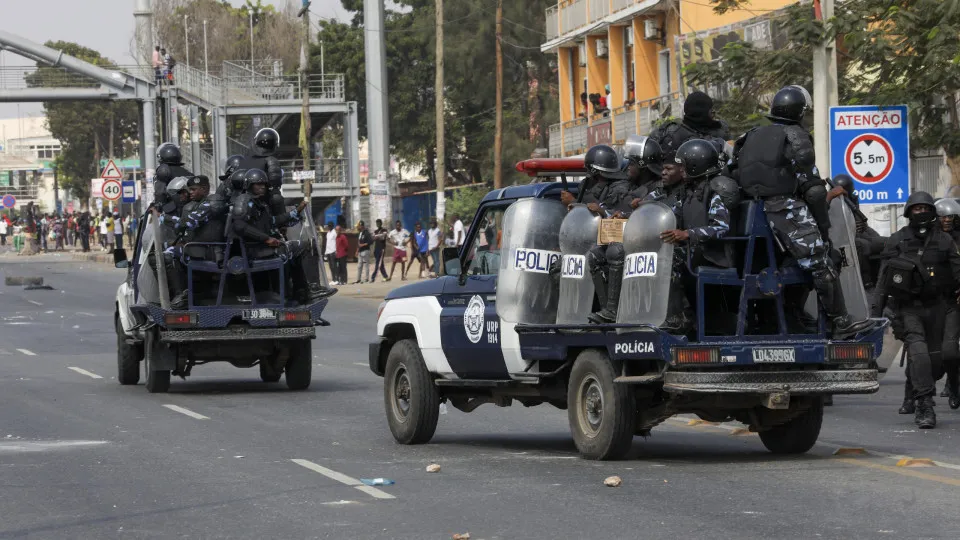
(434, 235)
(421, 244)
(3, 231)
(342, 245)
(379, 251)
(117, 230)
(458, 233)
(157, 62)
(399, 237)
(364, 239)
(330, 253)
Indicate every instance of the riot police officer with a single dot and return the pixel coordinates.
(948, 211)
(698, 122)
(170, 166)
(776, 163)
(265, 145)
(644, 165)
(603, 169)
(169, 209)
(231, 166)
(919, 275)
(202, 221)
(254, 221)
(707, 201)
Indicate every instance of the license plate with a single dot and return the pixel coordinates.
(774, 356)
(257, 314)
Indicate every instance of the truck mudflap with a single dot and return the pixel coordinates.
(237, 333)
(806, 382)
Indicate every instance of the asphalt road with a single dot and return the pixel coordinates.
(226, 456)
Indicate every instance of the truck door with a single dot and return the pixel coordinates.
(469, 325)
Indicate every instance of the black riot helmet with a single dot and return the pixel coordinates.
(918, 198)
(236, 181)
(644, 151)
(254, 176)
(169, 154)
(267, 139)
(603, 161)
(232, 165)
(790, 104)
(844, 181)
(699, 158)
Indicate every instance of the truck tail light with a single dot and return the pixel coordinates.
(180, 319)
(294, 317)
(695, 355)
(856, 353)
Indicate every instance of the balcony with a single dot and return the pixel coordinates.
(576, 136)
(570, 15)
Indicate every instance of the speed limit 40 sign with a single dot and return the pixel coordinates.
(112, 190)
(871, 144)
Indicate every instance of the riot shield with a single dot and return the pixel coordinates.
(306, 232)
(526, 292)
(148, 290)
(578, 234)
(843, 233)
(648, 265)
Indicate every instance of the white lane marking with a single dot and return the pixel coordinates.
(85, 372)
(364, 364)
(34, 302)
(343, 479)
(86, 313)
(187, 412)
(27, 352)
(40, 446)
(339, 503)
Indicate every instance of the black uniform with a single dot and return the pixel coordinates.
(270, 165)
(697, 123)
(919, 279)
(166, 173)
(606, 261)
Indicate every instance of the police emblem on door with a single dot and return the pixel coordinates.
(473, 319)
(898, 279)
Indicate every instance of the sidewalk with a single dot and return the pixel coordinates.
(366, 291)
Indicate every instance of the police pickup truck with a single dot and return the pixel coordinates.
(501, 326)
(237, 312)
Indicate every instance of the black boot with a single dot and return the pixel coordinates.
(176, 283)
(925, 417)
(831, 298)
(608, 314)
(953, 390)
(599, 285)
(908, 407)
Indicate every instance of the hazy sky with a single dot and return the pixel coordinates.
(103, 25)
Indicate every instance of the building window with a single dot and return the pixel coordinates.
(665, 82)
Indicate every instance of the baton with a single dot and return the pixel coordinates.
(563, 180)
(856, 211)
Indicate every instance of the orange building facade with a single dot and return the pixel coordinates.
(619, 62)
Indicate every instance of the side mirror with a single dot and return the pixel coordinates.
(451, 261)
(120, 258)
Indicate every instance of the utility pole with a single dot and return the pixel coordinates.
(378, 125)
(186, 40)
(305, 101)
(440, 163)
(206, 70)
(251, 41)
(498, 132)
(825, 94)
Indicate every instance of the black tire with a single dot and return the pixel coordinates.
(798, 435)
(601, 412)
(299, 367)
(267, 373)
(410, 396)
(158, 382)
(128, 357)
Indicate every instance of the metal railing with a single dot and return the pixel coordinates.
(21, 192)
(624, 122)
(553, 22)
(328, 171)
(573, 15)
(555, 140)
(207, 87)
(627, 120)
(23, 77)
(598, 10)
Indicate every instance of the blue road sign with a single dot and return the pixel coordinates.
(129, 190)
(9, 201)
(872, 145)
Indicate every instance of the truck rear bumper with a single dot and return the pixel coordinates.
(850, 381)
(240, 333)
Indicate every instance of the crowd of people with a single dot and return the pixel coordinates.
(422, 247)
(73, 230)
(162, 63)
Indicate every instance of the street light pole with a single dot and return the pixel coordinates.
(206, 70)
(186, 39)
(251, 40)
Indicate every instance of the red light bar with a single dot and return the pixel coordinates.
(549, 166)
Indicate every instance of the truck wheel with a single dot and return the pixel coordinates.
(268, 373)
(128, 357)
(158, 382)
(410, 396)
(601, 413)
(796, 436)
(299, 365)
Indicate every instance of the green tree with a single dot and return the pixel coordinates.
(889, 53)
(83, 127)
